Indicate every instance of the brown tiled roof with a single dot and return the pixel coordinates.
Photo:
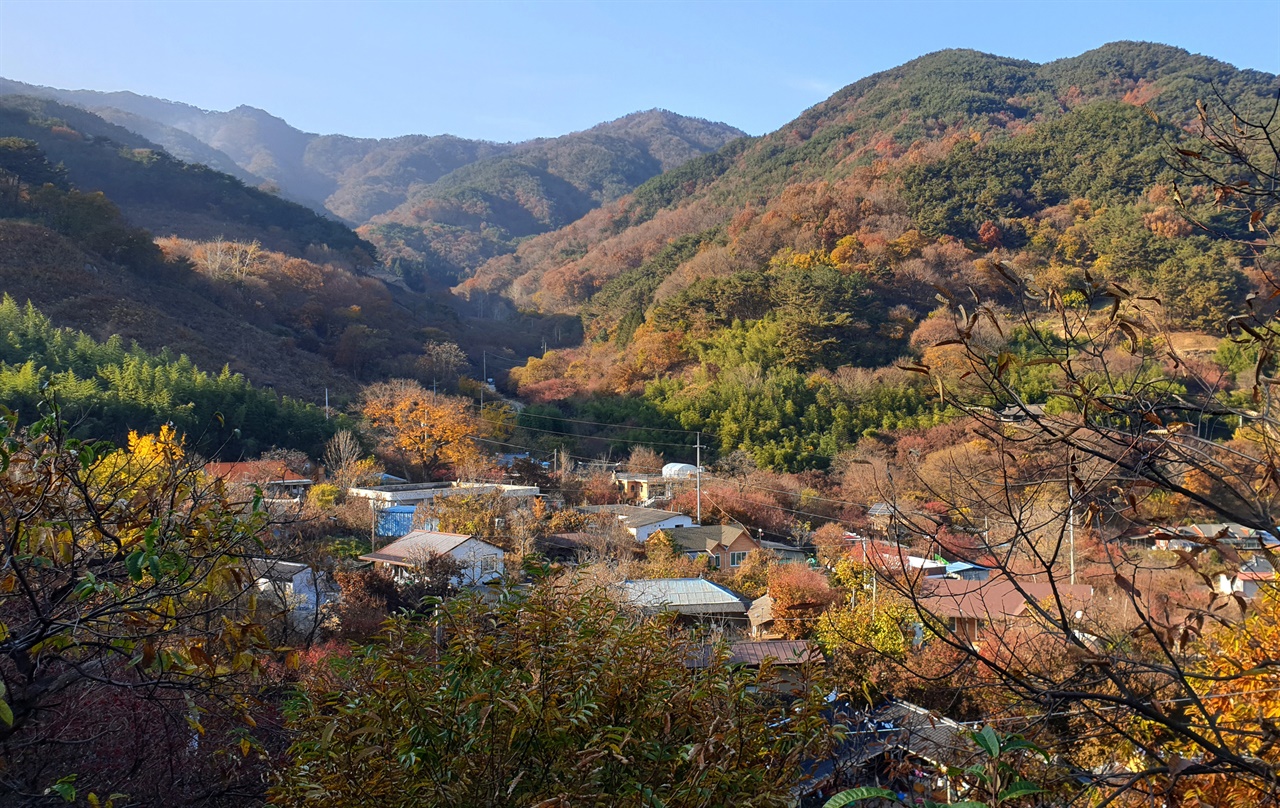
(782, 652)
(995, 597)
(249, 471)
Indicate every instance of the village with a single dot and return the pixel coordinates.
(554, 404)
(822, 602)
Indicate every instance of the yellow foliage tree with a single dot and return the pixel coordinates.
(1238, 681)
(123, 586)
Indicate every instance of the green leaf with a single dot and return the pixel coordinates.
(857, 795)
(64, 788)
(133, 563)
(988, 740)
(6, 713)
(1014, 742)
(1021, 788)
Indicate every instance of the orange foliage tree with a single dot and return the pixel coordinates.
(800, 596)
(421, 430)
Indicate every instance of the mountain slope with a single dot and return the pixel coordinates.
(483, 209)
(165, 195)
(437, 205)
(768, 293)
(912, 114)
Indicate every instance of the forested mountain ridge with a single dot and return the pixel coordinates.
(911, 114)
(483, 209)
(164, 195)
(764, 293)
(238, 276)
(442, 204)
(226, 274)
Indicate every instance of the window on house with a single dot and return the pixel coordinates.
(736, 559)
(488, 563)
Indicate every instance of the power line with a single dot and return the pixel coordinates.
(775, 506)
(842, 522)
(632, 441)
(791, 493)
(479, 413)
(526, 414)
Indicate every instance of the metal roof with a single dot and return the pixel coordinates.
(421, 543)
(782, 652)
(634, 516)
(274, 569)
(684, 595)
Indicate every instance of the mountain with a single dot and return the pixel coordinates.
(163, 194)
(106, 233)
(478, 211)
(768, 292)
(437, 204)
(361, 178)
(914, 114)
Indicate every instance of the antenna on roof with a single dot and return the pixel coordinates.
(698, 474)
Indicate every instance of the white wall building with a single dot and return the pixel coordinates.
(481, 561)
(642, 522)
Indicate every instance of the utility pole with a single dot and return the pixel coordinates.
(1071, 517)
(326, 403)
(698, 476)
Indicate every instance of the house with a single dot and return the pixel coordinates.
(786, 553)
(642, 522)
(881, 515)
(754, 653)
(875, 553)
(577, 546)
(898, 746)
(414, 494)
(790, 653)
(760, 618)
(643, 487)
(694, 598)
(1254, 574)
(967, 571)
(481, 561)
(298, 586)
(970, 607)
(788, 659)
(726, 545)
(389, 502)
(272, 476)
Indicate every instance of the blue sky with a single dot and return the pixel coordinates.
(510, 71)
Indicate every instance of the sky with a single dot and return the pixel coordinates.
(511, 71)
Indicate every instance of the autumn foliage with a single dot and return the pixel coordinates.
(419, 430)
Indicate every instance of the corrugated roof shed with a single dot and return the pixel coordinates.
(396, 520)
(782, 652)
